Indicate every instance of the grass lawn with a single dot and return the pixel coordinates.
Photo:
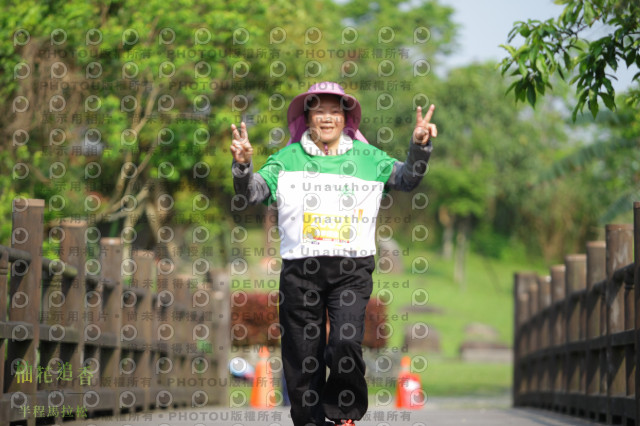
(486, 297)
(451, 377)
(446, 377)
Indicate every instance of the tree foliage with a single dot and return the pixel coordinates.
(130, 103)
(609, 165)
(144, 146)
(559, 47)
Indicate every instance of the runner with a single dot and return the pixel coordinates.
(327, 184)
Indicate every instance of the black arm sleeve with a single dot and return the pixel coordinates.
(245, 182)
(406, 176)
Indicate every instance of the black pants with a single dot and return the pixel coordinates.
(309, 288)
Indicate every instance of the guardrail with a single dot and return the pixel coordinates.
(577, 332)
(107, 335)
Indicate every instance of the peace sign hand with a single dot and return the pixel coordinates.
(424, 128)
(240, 146)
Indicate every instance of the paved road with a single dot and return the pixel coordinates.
(435, 413)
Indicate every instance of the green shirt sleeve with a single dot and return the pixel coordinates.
(270, 172)
(385, 166)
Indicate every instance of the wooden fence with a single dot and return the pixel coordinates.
(103, 335)
(577, 335)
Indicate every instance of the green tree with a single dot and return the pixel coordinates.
(485, 185)
(478, 125)
(395, 53)
(135, 119)
(559, 47)
(609, 164)
(144, 94)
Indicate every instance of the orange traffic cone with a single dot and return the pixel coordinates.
(409, 392)
(262, 394)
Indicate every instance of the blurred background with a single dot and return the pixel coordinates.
(118, 112)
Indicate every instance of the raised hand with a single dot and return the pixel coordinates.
(424, 128)
(240, 146)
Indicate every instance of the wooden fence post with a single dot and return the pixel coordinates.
(146, 272)
(534, 335)
(73, 253)
(521, 335)
(544, 301)
(24, 296)
(544, 294)
(184, 334)
(636, 285)
(163, 333)
(220, 320)
(4, 270)
(619, 254)
(557, 322)
(110, 319)
(575, 330)
(596, 357)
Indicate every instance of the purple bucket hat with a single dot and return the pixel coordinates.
(350, 105)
